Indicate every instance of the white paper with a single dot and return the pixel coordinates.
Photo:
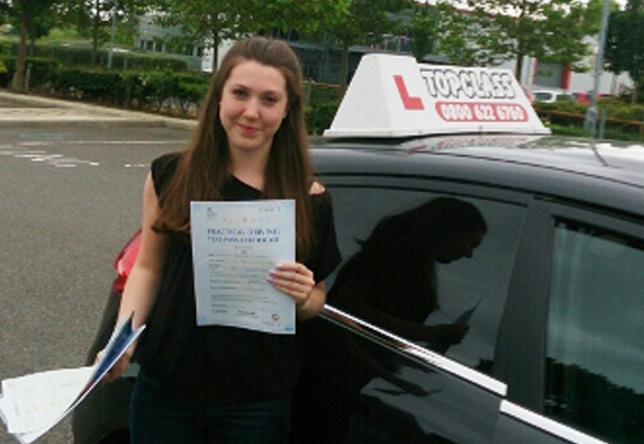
(235, 245)
(37, 400)
(31, 405)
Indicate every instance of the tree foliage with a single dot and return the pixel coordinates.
(201, 22)
(459, 38)
(489, 32)
(33, 18)
(364, 17)
(423, 29)
(625, 42)
(94, 18)
(305, 16)
(208, 22)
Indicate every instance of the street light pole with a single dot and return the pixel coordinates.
(110, 54)
(592, 113)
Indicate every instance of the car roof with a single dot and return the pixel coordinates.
(607, 174)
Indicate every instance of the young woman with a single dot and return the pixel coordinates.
(214, 383)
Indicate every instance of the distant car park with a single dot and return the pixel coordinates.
(551, 96)
(583, 98)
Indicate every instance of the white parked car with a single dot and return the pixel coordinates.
(551, 96)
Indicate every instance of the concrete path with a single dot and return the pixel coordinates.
(23, 109)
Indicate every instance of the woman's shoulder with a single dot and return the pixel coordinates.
(165, 165)
(168, 160)
(316, 188)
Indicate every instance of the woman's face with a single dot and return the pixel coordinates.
(458, 246)
(253, 104)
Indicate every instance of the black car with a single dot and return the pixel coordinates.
(552, 296)
(491, 290)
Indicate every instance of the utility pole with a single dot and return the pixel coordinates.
(592, 113)
(110, 54)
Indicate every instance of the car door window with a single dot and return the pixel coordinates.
(595, 352)
(430, 276)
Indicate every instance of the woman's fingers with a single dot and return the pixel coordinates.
(293, 279)
(117, 369)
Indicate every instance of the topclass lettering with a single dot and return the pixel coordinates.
(460, 84)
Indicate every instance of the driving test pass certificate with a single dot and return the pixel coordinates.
(235, 245)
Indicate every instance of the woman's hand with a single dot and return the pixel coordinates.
(119, 367)
(296, 281)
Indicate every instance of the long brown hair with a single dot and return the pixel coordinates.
(203, 167)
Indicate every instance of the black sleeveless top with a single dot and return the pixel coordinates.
(219, 364)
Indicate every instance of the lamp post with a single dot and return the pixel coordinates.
(592, 113)
(110, 54)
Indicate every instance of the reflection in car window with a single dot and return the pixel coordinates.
(595, 352)
(441, 270)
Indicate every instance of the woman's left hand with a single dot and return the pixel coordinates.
(294, 280)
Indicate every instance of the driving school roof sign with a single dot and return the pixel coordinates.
(394, 96)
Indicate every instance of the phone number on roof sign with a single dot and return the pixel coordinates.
(481, 112)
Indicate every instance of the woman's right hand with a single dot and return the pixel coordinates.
(119, 367)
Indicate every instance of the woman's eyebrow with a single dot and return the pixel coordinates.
(268, 91)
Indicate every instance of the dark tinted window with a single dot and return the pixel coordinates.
(417, 280)
(595, 352)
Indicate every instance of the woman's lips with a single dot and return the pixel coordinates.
(246, 129)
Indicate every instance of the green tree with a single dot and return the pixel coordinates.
(210, 21)
(43, 21)
(27, 14)
(362, 18)
(458, 36)
(304, 16)
(625, 43)
(499, 30)
(205, 22)
(93, 18)
(423, 29)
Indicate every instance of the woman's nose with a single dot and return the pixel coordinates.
(252, 109)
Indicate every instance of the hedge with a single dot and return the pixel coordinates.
(153, 90)
(81, 56)
(623, 120)
(40, 70)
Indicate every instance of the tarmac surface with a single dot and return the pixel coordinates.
(25, 109)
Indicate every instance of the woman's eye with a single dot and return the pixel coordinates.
(240, 93)
(270, 100)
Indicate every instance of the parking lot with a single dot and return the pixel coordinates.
(70, 199)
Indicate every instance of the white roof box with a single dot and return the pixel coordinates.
(394, 96)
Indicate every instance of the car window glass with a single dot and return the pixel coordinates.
(426, 271)
(542, 96)
(595, 352)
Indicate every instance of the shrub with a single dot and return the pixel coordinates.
(191, 90)
(4, 74)
(623, 120)
(80, 55)
(41, 71)
(92, 85)
(137, 89)
(320, 115)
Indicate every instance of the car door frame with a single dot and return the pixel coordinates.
(524, 332)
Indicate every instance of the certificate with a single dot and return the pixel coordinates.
(235, 245)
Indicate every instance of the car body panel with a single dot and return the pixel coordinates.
(362, 383)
